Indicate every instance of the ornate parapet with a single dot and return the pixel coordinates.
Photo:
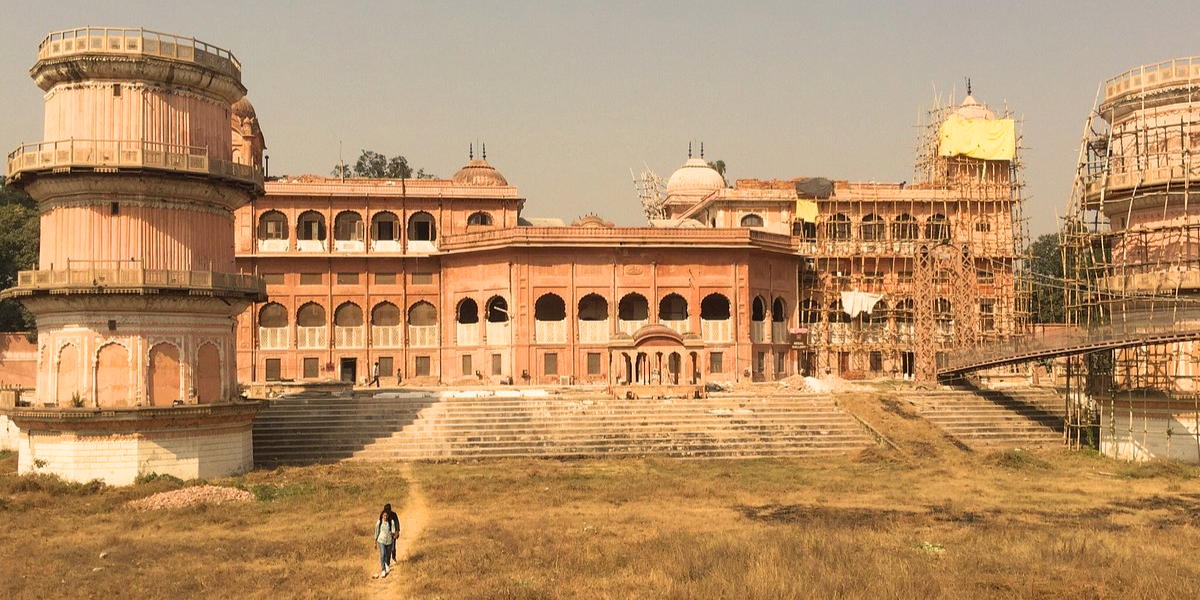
(117, 156)
(136, 281)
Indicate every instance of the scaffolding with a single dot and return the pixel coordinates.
(946, 253)
(652, 193)
(1130, 246)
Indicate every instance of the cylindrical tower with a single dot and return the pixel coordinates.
(136, 291)
(1132, 252)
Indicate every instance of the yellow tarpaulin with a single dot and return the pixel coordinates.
(978, 138)
(806, 210)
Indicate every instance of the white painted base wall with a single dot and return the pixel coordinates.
(1146, 438)
(10, 434)
(119, 458)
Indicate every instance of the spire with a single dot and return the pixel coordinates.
(471, 156)
(689, 150)
(484, 150)
(701, 150)
(968, 86)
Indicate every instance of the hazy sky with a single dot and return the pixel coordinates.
(569, 96)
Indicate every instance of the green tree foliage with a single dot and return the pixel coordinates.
(1047, 268)
(18, 252)
(718, 166)
(374, 165)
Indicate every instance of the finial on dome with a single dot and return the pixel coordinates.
(968, 86)
(689, 150)
(484, 150)
(701, 149)
(471, 154)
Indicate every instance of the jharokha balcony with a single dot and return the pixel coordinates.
(115, 156)
(133, 280)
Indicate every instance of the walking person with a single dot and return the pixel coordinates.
(394, 521)
(384, 538)
(374, 375)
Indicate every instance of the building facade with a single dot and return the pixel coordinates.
(446, 281)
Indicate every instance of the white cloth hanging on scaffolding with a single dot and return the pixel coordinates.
(854, 303)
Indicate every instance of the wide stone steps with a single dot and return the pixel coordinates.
(295, 431)
(990, 418)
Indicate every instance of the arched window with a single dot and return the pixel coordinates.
(593, 307)
(838, 227)
(310, 226)
(752, 221)
(497, 310)
(385, 326)
(550, 307)
(633, 307)
(422, 228)
(937, 228)
(348, 326)
(385, 314)
(273, 327)
(311, 315)
(479, 218)
(810, 312)
(778, 311)
(348, 226)
(879, 314)
(550, 315)
(385, 227)
(872, 228)
(273, 315)
(348, 315)
(672, 307)
(758, 309)
(942, 309)
(904, 311)
(904, 228)
(272, 225)
(422, 314)
(836, 312)
(468, 312)
(714, 307)
(804, 230)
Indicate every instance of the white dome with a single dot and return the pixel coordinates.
(971, 109)
(694, 178)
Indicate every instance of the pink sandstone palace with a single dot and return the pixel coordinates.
(443, 281)
(170, 272)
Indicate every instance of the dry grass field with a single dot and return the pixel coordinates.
(924, 520)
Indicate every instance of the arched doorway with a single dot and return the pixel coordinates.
(208, 374)
(164, 375)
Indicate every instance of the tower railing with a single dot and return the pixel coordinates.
(120, 279)
(119, 154)
(118, 40)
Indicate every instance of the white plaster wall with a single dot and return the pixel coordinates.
(119, 459)
(1147, 439)
(10, 435)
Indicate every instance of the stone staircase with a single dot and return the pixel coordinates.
(309, 430)
(1019, 418)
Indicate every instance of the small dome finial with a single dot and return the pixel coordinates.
(689, 149)
(701, 149)
(968, 86)
(471, 154)
(484, 150)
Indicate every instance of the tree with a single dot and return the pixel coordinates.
(718, 166)
(1046, 265)
(374, 165)
(18, 252)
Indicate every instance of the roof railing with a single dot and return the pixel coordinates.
(121, 40)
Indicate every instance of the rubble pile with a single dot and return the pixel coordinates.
(202, 494)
